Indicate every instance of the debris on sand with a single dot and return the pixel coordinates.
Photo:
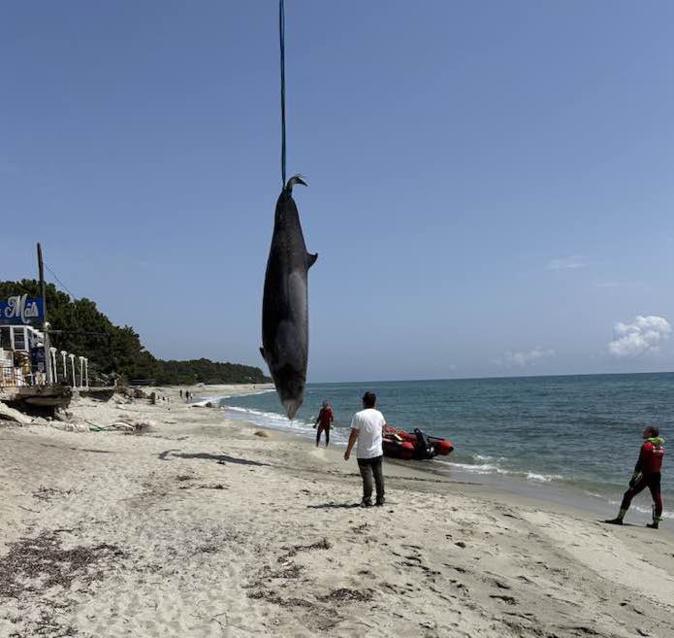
(45, 560)
(11, 415)
(134, 426)
(295, 549)
(344, 594)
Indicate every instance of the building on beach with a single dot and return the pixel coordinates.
(21, 356)
(25, 358)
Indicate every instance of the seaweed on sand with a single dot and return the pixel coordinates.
(34, 565)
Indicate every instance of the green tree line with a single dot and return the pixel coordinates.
(78, 326)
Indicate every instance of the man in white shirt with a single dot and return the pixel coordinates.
(367, 427)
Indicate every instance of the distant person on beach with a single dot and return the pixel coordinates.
(181, 394)
(367, 427)
(324, 421)
(646, 475)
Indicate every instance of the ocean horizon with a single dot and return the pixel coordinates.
(494, 377)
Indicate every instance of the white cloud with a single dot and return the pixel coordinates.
(522, 359)
(620, 284)
(644, 334)
(572, 262)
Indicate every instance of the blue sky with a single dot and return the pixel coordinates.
(490, 184)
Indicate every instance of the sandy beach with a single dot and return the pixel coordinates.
(201, 527)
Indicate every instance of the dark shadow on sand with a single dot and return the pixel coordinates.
(613, 525)
(64, 447)
(220, 458)
(330, 506)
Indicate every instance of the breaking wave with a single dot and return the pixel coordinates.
(276, 421)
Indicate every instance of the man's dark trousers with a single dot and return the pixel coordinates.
(369, 468)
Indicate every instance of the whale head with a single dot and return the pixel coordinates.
(290, 387)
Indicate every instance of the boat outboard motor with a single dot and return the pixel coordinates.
(422, 448)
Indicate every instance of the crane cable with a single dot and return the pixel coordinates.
(282, 28)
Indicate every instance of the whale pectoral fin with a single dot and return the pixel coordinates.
(311, 259)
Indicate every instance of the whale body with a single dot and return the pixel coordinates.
(285, 307)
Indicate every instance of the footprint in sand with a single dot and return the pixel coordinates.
(508, 600)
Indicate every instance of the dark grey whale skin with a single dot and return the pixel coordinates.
(285, 308)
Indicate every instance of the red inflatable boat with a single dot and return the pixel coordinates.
(399, 444)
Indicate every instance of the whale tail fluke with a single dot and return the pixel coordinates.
(295, 179)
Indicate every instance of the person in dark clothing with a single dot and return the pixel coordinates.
(646, 475)
(324, 421)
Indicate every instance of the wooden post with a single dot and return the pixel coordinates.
(72, 368)
(52, 364)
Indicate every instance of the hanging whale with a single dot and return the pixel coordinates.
(285, 314)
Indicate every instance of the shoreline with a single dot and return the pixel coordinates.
(563, 492)
(199, 526)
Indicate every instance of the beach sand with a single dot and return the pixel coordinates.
(203, 527)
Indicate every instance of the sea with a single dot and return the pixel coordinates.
(564, 434)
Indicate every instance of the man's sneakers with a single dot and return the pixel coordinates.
(614, 521)
(367, 502)
(619, 521)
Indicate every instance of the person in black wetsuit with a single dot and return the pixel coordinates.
(646, 475)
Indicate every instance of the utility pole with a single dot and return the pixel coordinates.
(45, 325)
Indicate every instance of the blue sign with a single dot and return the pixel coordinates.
(21, 310)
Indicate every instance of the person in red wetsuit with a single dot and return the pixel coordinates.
(646, 475)
(324, 421)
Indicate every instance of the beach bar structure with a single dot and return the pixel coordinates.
(27, 370)
(26, 356)
(22, 360)
(22, 356)
(29, 365)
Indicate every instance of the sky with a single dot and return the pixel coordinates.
(490, 183)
